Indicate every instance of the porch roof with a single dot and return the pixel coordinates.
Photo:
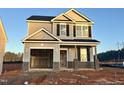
(66, 41)
(80, 40)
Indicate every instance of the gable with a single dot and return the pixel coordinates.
(42, 36)
(62, 18)
(76, 16)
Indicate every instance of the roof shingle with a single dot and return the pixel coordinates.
(80, 40)
(41, 18)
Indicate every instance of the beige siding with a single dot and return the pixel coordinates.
(71, 54)
(75, 16)
(62, 18)
(35, 26)
(42, 35)
(2, 48)
(51, 26)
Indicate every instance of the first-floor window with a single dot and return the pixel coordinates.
(63, 29)
(83, 54)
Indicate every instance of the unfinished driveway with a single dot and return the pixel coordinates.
(107, 76)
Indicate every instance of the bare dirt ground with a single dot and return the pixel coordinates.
(107, 76)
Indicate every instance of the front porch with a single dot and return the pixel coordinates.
(70, 57)
(81, 56)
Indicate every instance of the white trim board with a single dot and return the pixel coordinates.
(67, 55)
(63, 49)
(42, 29)
(41, 42)
(42, 48)
(62, 14)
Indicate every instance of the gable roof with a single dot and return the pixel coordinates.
(62, 15)
(41, 18)
(42, 29)
(52, 18)
(3, 30)
(80, 14)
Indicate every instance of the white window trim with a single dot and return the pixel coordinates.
(87, 31)
(67, 54)
(77, 32)
(82, 35)
(60, 29)
(85, 55)
(41, 47)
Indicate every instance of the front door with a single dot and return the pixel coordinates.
(63, 58)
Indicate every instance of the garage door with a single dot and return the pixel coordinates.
(41, 58)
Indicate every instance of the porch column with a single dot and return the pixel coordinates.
(76, 52)
(91, 54)
(96, 63)
(75, 61)
(26, 57)
(56, 58)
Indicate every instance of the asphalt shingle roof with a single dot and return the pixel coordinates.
(80, 40)
(67, 40)
(41, 18)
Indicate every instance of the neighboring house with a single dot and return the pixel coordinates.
(3, 41)
(53, 42)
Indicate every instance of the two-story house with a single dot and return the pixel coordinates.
(3, 41)
(54, 42)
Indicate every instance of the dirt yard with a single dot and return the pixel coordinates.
(107, 76)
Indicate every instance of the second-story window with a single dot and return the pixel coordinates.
(62, 29)
(78, 31)
(81, 31)
(85, 31)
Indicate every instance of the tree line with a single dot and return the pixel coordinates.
(113, 55)
(13, 57)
